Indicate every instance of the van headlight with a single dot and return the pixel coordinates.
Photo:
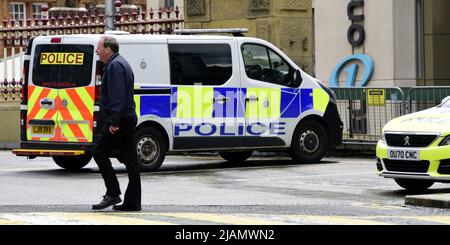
(445, 141)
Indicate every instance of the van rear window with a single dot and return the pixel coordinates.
(62, 65)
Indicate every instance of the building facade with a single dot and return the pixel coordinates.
(285, 23)
(165, 4)
(404, 43)
(24, 9)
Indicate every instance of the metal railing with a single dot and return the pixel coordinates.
(364, 114)
(421, 98)
(15, 34)
(364, 111)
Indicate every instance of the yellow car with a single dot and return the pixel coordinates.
(415, 148)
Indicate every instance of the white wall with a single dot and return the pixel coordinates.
(390, 40)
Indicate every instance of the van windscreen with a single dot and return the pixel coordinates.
(62, 65)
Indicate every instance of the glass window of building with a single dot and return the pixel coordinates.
(17, 11)
(167, 4)
(37, 11)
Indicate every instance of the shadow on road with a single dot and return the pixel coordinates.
(403, 193)
(191, 164)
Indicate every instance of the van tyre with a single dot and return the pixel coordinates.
(236, 157)
(309, 143)
(414, 184)
(151, 149)
(72, 163)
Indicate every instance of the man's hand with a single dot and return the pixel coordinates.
(113, 129)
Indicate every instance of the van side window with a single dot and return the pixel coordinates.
(206, 64)
(263, 64)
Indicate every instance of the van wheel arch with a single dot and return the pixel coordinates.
(316, 118)
(156, 125)
(154, 136)
(310, 140)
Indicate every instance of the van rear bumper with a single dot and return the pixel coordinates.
(34, 152)
(30, 145)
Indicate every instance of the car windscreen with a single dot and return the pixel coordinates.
(62, 65)
(446, 104)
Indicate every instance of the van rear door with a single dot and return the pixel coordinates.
(61, 92)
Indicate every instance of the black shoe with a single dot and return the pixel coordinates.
(107, 202)
(127, 208)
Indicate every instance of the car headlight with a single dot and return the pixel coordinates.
(383, 139)
(445, 141)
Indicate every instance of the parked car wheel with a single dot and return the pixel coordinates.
(151, 148)
(309, 142)
(414, 184)
(72, 163)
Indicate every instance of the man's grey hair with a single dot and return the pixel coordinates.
(111, 42)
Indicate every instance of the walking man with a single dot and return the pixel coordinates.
(118, 109)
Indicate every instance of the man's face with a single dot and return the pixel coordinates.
(103, 53)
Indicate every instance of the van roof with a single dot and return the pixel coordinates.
(139, 38)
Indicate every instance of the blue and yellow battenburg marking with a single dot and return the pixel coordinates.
(187, 102)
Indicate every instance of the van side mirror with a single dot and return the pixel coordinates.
(297, 79)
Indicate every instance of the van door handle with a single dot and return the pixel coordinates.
(251, 99)
(46, 103)
(221, 99)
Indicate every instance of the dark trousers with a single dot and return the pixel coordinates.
(122, 140)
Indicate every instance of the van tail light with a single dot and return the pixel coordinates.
(98, 80)
(98, 83)
(24, 94)
(97, 120)
(23, 125)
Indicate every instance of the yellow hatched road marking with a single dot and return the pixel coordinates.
(109, 219)
(12, 222)
(437, 219)
(223, 218)
(341, 220)
(151, 218)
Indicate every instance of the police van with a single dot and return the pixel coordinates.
(194, 93)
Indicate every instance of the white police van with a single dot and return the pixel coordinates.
(194, 93)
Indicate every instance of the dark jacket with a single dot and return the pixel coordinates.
(117, 90)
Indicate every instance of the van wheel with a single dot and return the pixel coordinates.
(235, 157)
(151, 148)
(309, 143)
(414, 184)
(72, 163)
